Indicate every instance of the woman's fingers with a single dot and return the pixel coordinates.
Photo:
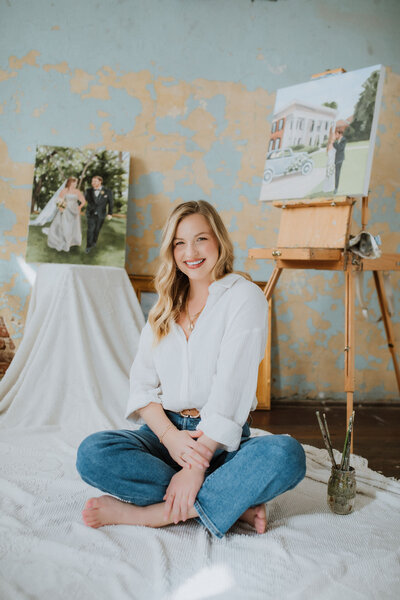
(196, 460)
(168, 505)
(182, 462)
(195, 434)
(184, 508)
(200, 454)
(176, 510)
(201, 449)
(193, 459)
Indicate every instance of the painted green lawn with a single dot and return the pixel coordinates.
(352, 173)
(109, 251)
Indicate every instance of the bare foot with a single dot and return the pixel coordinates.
(107, 510)
(256, 517)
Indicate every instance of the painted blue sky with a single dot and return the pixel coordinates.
(344, 88)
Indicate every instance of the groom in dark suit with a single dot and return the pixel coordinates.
(97, 198)
(339, 144)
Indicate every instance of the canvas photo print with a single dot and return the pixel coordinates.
(79, 206)
(323, 136)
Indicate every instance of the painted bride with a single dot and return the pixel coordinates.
(65, 230)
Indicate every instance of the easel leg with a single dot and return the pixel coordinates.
(387, 322)
(272, 281)
(349, 348)
(264, 371)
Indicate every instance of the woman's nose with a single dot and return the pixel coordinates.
(191, 250)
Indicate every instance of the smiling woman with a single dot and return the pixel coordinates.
(193, 382)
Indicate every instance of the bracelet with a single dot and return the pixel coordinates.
(170, 426)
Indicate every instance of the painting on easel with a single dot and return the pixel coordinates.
(323, 136)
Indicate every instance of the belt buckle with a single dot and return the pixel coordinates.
(190, 412)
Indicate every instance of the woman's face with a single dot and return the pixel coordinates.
(195, 248)
(72, 184)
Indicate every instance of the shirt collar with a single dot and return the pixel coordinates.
(225, 282)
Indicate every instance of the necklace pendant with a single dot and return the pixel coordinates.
(191, 326)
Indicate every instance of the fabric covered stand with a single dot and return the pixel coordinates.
(70, 378)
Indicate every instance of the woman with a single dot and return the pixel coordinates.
(65, 229)
(329, 181)
(193, 383)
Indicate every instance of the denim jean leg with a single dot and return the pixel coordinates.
(131, 465)
(263, 468)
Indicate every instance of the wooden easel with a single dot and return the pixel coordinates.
(314, 234)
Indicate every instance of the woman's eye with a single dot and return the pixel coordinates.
(201, 239)
(178, 243)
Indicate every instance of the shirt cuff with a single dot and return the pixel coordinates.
(140, 402)
(222, 430)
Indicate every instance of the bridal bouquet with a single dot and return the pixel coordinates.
(61, 204)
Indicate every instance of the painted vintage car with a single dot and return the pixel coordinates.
(285, 161)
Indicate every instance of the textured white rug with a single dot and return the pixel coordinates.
(69, 377)
(307, 553)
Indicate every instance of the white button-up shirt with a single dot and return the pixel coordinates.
(215, 370)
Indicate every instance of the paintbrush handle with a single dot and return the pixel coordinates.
(346, 447)
(326, 429)
(347, 457)
(326, 441)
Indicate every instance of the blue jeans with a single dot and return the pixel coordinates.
(134, 466)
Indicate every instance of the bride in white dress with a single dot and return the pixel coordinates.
(329, 181)
(65, 229)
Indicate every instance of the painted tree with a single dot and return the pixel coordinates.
(54, 164)
(360, 127)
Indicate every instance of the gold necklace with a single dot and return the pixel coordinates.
(194, 318)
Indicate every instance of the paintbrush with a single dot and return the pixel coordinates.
(344, 464)
(327, 430)
(326, 438)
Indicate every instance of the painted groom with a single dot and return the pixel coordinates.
(339, 144)
(98, 198)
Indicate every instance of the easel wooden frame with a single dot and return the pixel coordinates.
(331, 259)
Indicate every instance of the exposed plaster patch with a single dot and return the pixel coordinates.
(60, 68)
(4, 75)
(39, 111)
(28, 59)
(97, 91)
(79, 82)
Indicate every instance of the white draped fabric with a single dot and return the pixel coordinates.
(69, 378)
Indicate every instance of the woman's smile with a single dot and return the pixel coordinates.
(194, 264)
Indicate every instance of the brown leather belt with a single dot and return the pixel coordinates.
(190, 412)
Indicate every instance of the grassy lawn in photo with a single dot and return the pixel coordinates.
(109, 251)
(353, 170)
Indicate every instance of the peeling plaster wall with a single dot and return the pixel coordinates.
(188, 87)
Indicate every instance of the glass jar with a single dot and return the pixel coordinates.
(342, 491)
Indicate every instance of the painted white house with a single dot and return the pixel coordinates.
(301, 123)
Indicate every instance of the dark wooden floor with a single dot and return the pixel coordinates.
(376, 430)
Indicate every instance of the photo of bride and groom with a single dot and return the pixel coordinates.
(75, 226)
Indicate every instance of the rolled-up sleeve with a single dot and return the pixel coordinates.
(235, 380)
(144, 381)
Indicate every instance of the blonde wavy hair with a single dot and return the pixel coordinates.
(171, 284)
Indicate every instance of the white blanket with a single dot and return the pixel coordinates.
(69, 378)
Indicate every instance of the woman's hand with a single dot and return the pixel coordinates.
(181, 493)
(184, 449)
